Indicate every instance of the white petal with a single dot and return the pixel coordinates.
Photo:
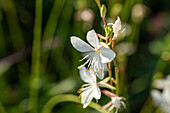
(110, 24)
(106, 55)
(87, 102)
(166, 93)
(87, 96)
(100, 74)
(91, 75)
(116, 102)
(80, 45)
(104, 44)
(98, 66)
(159, 83)
(96, 93)
(93, 39)
(87, 76)
(157, 97)
(117, 26)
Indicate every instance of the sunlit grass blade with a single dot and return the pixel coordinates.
(34, 78)
(13, 23)
(51, 26)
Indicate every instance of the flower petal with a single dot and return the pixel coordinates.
(87, 77)
(157, 97)
(98, 66)
(93, 39)
(91, 75)
(80, 45)
(100, 74)
(106, 55)
(96, 93)
(117, 26)
(110, 24)
(116, 102)
(87, 102)
(86, 96)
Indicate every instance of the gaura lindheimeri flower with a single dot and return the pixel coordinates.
(117, 26)
(90, 89)
(97, 54)
(116, 101)
(162, 98)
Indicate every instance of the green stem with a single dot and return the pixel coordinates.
(116, 76)
(51, 27)
(67, 98)
(13, 23)
(34, 78)
(110, 72)
(98, 4)
(2, 109)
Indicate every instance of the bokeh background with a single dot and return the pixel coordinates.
(143, 50)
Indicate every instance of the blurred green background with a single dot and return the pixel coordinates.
(143, 50)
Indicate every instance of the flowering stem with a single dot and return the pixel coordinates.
(34, 78)
(112, 44)
(110, 72)
(98, 3)
(68, 98)
(117, 77)
(104, 20)
(101, 37)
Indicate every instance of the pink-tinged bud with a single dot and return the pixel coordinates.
(103, 11)
(108, 93)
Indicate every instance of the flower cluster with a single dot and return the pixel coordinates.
(98, 56)
(162, 99)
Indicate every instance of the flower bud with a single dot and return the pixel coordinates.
(103, 11)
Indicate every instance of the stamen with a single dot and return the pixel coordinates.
(80, 96)
(97, 70)
(81, 59)
(79, 91)
(100, 71)
(97, 50)
(97, 101)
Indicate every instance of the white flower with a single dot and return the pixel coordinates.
(116, 101)
(162, 99)
(97, 55)
(91, 90)
(116, 27)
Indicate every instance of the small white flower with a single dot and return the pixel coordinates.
(162, 99)
(117, 26)
(116, 101)
(97, 55)
(91, 90)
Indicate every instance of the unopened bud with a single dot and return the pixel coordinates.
(103, 11)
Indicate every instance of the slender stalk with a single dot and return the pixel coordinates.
(110, 72)
(2, 109)
(98, 3)
(68, 98)
(34, 78)
(112, 44)
(116, 76)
